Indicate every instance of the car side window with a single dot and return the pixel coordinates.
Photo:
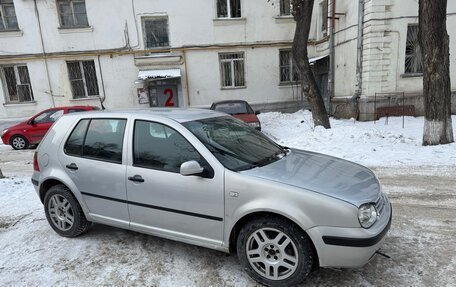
(104, 140)
(100, 139)
(48, 117)
(160, 147)
(75, 142)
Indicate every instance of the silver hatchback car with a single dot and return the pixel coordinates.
(208, 179)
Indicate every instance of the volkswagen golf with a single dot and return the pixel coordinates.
(205, 178)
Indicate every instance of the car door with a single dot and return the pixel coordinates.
(93, 158)
(40, 124)
(162, 201)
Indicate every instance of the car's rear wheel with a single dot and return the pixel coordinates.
(64, 213)
(19, 142)
(275, 252)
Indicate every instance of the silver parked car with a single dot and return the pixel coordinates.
(208, 179)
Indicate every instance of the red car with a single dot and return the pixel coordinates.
(32, 131)
(240, 110)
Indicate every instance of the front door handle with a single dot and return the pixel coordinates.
(72, 166)
(136, 178)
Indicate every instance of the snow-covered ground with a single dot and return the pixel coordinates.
(420, 181)
(368, 143)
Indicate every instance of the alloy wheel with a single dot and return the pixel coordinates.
(272, 253)
(61, 212)
(18, 143)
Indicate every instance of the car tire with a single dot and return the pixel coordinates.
(19, 142)
(283, 258)
(64, 213)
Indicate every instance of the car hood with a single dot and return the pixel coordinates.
(323, 174)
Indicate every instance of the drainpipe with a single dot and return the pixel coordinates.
(44, 54)
(359, 55)
(332, 9)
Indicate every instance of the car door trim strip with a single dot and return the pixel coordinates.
(155, 207)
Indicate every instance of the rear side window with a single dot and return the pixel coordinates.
(76, 140)
(159, 147)
(100, 139)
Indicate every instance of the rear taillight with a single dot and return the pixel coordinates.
(36, 167)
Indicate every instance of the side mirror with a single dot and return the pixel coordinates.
(257, 112)
(191, 167)
(31, 122)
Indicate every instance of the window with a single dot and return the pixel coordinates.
(288, 71)
(48, 117)
(17, 82)
(159, 147)
(324, 17)
(228, 8)
(8, 20)
(83, 79)
(413, 61)
(75, 142)
(155, 32)
(232, 70)
(72, 13)
(285, 7)
(97, 139)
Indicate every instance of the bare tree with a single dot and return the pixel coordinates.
(434, 42)
(302, 13)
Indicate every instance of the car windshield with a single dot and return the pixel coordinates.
(236, 145)
(233, 108)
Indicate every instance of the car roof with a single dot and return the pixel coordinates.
(177, 114)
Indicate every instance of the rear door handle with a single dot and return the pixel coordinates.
(72, 166)
(136, 178)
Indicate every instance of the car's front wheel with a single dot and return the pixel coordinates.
(19, 142)
(64, 213)
(275, 252)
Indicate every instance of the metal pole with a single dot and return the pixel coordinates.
(403, 110)
(331, 54)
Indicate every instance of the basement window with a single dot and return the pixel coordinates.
(324, 18)
(228, 8)
(72, 13)
(232, 70)
(413, 61)
(17, 85)
(8, 20)
(83, 79)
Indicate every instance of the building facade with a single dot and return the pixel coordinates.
(192, 53)
(389, 73)
(144, 53)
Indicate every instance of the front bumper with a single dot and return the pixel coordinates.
(349, 247)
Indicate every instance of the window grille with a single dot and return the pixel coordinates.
(83, 79)
(413, 61)
(288, 71)
(17, 84)
(232, 70)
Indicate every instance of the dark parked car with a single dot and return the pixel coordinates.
(240, 110)
(32, 131)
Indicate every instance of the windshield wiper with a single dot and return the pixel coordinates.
(272, 158)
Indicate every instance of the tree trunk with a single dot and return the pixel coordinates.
(434, 42)
(1, 174)
(302, 13)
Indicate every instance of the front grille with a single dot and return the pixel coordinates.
(380, 204)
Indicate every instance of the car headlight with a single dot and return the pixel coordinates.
(367, 215)
(4, 131)
(254, 124)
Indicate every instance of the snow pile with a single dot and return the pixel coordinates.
(368, 143)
